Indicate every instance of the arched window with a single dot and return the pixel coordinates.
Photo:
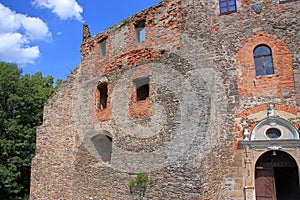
(263, 60)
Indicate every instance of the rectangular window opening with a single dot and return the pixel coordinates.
(140, 30)
(102, 47)
(102, 88)
(142, 93)
(227, 6)
(285, 1)
(142, 88)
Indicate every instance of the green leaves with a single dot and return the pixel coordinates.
(21, 107)
(139, 184)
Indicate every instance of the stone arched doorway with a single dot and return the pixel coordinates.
(276, 177)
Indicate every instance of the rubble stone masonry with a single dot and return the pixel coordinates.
(201, 91)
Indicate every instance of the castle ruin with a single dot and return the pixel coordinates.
(203, 96)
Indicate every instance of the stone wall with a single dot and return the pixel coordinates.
(53, 165)
(201, 93)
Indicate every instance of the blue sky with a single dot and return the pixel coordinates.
(45, 35)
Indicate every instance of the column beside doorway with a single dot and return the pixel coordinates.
(249, 193)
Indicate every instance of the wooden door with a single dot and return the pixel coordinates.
(265, 183)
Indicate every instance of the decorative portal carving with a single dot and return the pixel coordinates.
(271, 111)
(246, 134)
(272, 136)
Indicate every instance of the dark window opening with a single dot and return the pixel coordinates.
(142, 92)
(227, 6)
(140, 30)
(102, 88)
(263, 60)
(142, 88)
(103, 145)
(285, 1)
(102, 47)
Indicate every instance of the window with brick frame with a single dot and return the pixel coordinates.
(102, 47)
(263, 60)
(227, 6)
(142, 88)
(140, 30)
(102, 89)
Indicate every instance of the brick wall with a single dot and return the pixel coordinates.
(282, 81)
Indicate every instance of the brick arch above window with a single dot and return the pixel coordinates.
(282, 78)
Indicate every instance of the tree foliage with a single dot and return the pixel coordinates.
(21, 108)
(140, 184)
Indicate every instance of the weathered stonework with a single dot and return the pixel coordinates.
(188, 134)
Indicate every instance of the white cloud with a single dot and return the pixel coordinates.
(65, 9)
(17, 32)
(35, 28)
(11, 22)
(14, 48)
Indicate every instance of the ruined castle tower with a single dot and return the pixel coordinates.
(203, 96)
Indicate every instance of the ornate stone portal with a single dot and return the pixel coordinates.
(274, 134)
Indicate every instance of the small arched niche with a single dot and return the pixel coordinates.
(103, 145)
